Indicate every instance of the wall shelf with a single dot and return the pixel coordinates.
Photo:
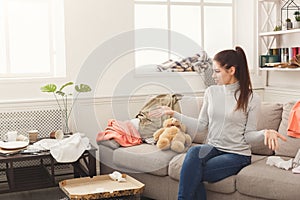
(279, 69)
(274, 33)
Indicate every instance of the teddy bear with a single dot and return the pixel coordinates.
(172, 136)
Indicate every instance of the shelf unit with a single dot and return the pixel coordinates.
(280, 69)
(268, 17)
(279, 33)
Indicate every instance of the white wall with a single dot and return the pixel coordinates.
(90, 25)
(245, 29)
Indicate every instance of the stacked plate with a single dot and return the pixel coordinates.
(8, 148)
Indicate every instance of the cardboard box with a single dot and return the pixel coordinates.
(100, 187)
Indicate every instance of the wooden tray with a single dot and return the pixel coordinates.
(100, 187)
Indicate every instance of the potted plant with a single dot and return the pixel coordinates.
(297, 18)
(289, 24)
(277, 28)
(64, 103)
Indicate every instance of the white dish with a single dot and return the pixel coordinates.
(13, 144)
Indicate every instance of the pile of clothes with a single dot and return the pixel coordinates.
(200, 63)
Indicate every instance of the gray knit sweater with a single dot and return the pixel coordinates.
(228, 130)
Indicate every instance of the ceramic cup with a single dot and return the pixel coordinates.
(33, 135)
(22, 138)
(11, 136)
(57, 134)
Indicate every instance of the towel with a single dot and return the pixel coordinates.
(279, 162)
(69, 149)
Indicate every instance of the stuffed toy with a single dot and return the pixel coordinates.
(172, 136)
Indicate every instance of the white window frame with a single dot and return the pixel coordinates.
(202, 5)
(56, 43)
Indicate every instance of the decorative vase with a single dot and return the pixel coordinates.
(289, 25)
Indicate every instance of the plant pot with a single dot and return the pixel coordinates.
(296, 24)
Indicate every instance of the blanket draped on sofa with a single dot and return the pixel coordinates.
(123, 132)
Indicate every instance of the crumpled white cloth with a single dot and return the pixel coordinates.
(279, 162)
(43, 144)
(70, 149)
(296, 170)
(117, 176)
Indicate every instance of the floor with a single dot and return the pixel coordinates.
(53, 193)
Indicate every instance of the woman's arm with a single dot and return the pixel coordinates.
(194, 125)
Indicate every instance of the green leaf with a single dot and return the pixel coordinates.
(83, 88)
(49, 88)
(60, 93)
(65, 85)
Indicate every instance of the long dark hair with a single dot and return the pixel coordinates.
(237, 59)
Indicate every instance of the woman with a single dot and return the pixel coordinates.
(229, 112)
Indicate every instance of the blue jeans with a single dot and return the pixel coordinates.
(207, 163)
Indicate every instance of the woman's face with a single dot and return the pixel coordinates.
(223, 76)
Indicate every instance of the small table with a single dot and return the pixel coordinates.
(37, 177)
(102, 187)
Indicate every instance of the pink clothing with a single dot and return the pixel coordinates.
(294, 121)
(123, 132)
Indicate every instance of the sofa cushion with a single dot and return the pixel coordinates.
(109, 143)
(226, 185)
(175, 166)
(261, 180)
(291, 146)
(144, 158)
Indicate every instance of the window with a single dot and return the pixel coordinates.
(32, 38)
(207, 22)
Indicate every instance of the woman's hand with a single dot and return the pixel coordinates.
(271, 139)
(160, 111)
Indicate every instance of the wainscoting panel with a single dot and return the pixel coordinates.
(272, 94)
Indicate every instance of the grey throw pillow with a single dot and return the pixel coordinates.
(268, 118)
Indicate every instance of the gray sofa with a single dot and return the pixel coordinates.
(160, 170)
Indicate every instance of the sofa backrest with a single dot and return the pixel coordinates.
(291, 146)
(191, 106)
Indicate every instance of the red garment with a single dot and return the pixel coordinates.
(123, 132)
(294, 121)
